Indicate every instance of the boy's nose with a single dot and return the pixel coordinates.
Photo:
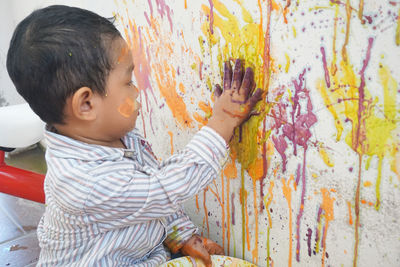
(137, 104)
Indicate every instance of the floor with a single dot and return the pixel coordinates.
(19, 217)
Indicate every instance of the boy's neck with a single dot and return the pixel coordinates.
(77, 135)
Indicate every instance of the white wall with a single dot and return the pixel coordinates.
(12, 12)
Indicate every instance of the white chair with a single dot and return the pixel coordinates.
(20, 127)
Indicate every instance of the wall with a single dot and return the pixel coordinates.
(313, 177)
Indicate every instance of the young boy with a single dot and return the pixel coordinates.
(109, 202)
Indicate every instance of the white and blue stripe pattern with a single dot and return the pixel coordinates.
(115, 207)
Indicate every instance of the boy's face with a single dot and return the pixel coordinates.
(120, 107)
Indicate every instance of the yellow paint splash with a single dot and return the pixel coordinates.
(267, 204)
(376, 127)
(325, 156)
(287, 63)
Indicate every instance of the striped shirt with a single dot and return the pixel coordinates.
(110, 206)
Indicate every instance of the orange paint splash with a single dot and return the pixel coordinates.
(171, 135)
(223, 210)
(254, 252)
(230, 172)
(182, 88)
(154, 39)
(287, 192)
(124, 51)
(165, 77)
(200, 119)
(327, 206)
(228, 215)
(127, 108)
(367, 183)
(270, 196)
(206, 211)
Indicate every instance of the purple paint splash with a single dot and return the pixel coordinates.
(309, 235)
(327, 79)
(297, 130)
(281, 145)
(361, 93)
(163, 9)
(298, 174)
(211, 16)
(301, 209)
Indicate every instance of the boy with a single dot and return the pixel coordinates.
(109, 202)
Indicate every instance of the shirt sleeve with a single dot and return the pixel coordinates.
(179, 229)
(126, 196)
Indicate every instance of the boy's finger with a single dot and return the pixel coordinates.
(217, 90)
(227, 75)
(247, 83)
(255, 97)
(237, 75)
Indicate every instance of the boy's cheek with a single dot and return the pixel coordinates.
(128, 107)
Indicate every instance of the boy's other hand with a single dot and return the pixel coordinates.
(202, 248)
(234, 103)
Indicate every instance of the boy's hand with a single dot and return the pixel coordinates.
(202, 248)
(233, 104)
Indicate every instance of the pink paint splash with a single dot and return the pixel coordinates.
(211, 18)
(327, 79)
(361, 94)
(142, 71)
(163, 9)
(309, 235)
(297, 130)
(281, 145)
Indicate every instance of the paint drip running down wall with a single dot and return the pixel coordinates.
(313, 177)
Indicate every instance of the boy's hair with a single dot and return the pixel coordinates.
(57, 50)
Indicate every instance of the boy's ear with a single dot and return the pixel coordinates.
(83, 104)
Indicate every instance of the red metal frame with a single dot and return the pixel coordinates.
(20, 182)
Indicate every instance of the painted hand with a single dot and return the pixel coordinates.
(234, 103)
(201, 248)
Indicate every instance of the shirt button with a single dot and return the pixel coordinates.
(128, 154)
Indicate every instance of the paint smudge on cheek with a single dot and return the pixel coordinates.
(124, 51)
(127, 108)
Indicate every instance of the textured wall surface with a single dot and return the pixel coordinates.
(313, 177)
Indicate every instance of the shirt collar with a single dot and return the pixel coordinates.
(65, 147)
